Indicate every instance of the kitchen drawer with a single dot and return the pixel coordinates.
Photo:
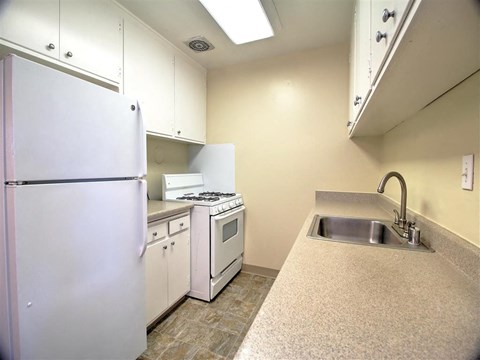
(157, 231)
(179, 224)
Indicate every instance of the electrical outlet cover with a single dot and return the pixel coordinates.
(467, 172)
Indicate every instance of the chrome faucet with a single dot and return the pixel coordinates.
(402, 218)
(403, 227)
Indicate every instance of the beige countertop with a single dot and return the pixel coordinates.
(161, 209)
(346, 301)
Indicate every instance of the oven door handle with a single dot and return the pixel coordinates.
(229, 213)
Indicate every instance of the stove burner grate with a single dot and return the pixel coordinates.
(216, 193)
(199, 198)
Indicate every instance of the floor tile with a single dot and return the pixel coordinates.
(204, 354)
(179, 351)
(220, 342)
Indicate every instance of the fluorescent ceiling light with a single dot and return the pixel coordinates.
(242, 20)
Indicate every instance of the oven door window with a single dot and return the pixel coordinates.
(230, 229)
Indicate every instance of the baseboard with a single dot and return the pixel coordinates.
(258, 270)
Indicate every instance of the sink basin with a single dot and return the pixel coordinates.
(359, 231)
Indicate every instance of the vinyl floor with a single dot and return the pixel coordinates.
(200, 330)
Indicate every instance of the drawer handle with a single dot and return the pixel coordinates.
(69, 54)
(51, 46)
(387, 15)
(164, 247)
(155, 233)
(181, 224)
(172, 243)
(379, 36)
(357, 101)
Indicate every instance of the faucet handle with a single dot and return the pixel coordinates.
(397, 216)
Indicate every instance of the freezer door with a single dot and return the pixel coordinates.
(61, 127)
(76, 276)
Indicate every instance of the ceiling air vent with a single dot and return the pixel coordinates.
(199, 44)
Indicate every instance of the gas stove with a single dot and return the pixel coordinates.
(190, 187)
(217, 234)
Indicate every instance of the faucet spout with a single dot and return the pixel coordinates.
(403, 202)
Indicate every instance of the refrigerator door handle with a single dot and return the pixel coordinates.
(143, 143)
(143, 184)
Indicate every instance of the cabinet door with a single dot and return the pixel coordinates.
(91, 37)
(190, 101)
(178, 266)
(156, 280)
(361, 56)
(387, 17)
(32, 24)
(149, 76)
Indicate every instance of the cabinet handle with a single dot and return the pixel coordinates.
(69, 54)
(172, 243)
(357, 101)
(51, 46)
(387, 15)
(164, 247)
(380, 36)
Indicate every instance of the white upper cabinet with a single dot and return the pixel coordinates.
(32, 24)
(360, 57)
(83, 34)
(386, 18)
(425, 48)
(149, 76)
(91, 37)
(190, 100)
(170, 87)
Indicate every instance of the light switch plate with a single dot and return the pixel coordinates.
(467, 172)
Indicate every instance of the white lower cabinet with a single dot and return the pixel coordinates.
(167, 271)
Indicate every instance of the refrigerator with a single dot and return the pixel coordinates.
(73, 217)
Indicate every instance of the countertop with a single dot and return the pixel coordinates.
(346, 301)
(161, 209)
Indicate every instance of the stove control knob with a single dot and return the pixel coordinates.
(225, 206)
(239, 202)
(232, 204)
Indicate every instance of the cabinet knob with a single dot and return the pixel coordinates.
(172, 243)
(155, 233)
(380, 36)
(51, 46)
(164, 247)
(132, 107)
(69, 54)
(387, 15)
(357, 101)
(179, 132)
(181, 224)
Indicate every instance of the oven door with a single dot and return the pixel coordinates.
(226, 239)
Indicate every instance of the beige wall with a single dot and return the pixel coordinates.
(427, 150)
(287, 118)
(163, 157)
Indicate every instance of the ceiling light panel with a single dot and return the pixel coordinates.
(242, 20)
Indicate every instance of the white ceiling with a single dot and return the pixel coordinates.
(298, 25)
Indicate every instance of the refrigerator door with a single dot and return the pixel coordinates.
(60, 127)
(76, 276)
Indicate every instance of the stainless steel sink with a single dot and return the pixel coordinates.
(359, 231)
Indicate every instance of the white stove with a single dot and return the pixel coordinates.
(216, 232)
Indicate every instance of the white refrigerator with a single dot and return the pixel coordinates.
(73, 218)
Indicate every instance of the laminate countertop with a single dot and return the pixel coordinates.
(161, 209)
(345, 301)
